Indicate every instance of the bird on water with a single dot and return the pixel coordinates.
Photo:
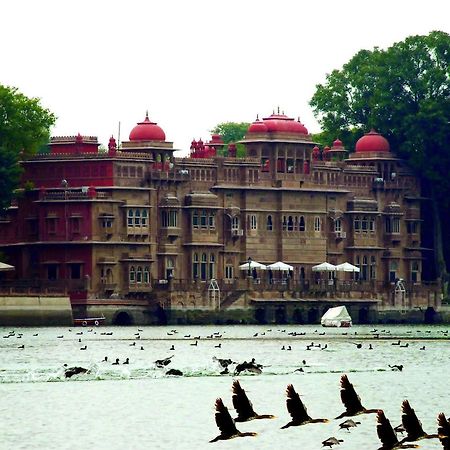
(412, 425)
(297, 410)
(226, 424)
(351, 400)
(243, 405)
(387, 435)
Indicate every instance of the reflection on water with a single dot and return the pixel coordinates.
(137, 405)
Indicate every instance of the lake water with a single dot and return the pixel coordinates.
(137, 406)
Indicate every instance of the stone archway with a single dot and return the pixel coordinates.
(123, 318)
(313, 315)
(297, 316)
(363, 316)
(280, 315)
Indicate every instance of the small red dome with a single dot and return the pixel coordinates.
(147, 131)
(217, 138)
(338, 144)
(372, 142)
(257, 126)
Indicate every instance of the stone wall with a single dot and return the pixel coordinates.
(35, 311)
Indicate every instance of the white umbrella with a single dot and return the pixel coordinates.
(324, 267)
(252, 265)
(4, 267)
(347, 267)
(280, 266)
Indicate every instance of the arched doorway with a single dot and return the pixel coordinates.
(363, 316)
(280, 315)
(161, 316)
(430, 314)
(297, 316)
(313, 315)
(260, 315)
(123, 318)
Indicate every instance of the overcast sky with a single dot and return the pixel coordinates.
(191, 63)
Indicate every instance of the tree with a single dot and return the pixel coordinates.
(24, 128)
(232, 132)
(404, 93)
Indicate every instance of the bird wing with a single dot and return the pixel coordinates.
(412, 424)
(223, 419)
(241, 403)
(295, 406)
(444, 431)
(385, 431)
(349, 397)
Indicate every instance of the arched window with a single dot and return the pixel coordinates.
(364, 224)
(132, 275)
(146, 275)
(203, 219)
(164, 221)
(357, 224)
(301, 224)
(137, 217)
(139, 275)
(295, 223)
(173, 218)
(195, 266)
(130, 221)
(144, 219)
(364, 268)
(235, 223)
(371, 224)
(338, 225)
(195, 218)
(269, 224)
(317, 224)
(170, 268)
(415, 269)
(203, 267)
(253, 222)
(290, 224)
(212, 219)
(212, 263)
(284, 224)
(393, 267)
(373, 268)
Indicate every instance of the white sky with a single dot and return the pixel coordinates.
(191, 63)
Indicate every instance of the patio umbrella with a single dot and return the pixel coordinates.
(4, 267)
(324, 267)
(347, 267)
(280, 266)
(252, 265)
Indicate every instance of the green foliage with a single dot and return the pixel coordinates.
(231, 131)
(404, 93)
(24, 128)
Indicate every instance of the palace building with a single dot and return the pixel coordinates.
(133, 224)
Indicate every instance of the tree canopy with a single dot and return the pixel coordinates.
(24, 128)
(404, 93)
(231, 131)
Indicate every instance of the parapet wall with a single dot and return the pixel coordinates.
(35, 311)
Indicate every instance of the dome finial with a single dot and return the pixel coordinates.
(257, 117)
(278, 110)
(146, 115)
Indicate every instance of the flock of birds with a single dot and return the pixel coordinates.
(410, 425)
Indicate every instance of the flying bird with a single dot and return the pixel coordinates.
(331, 441)
(412, 425)
(297, 409)
(351, 400)
(444, 431)
(348, 424)
(226, 424)
(387, 435)
(243, 405)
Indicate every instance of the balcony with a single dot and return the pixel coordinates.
(340, 234)
(237, 232)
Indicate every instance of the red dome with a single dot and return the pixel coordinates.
(147, 131)
(257, 127)
(284, 124)
(372, 142)
(338, 144)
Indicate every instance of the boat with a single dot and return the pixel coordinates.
(89, 321)
(336, 317)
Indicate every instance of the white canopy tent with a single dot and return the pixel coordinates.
(324, 267)
(279, 265)
(347, 267)
(4, 267)
(336, 317)
(252, 265)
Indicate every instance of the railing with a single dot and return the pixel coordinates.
(73, 195)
